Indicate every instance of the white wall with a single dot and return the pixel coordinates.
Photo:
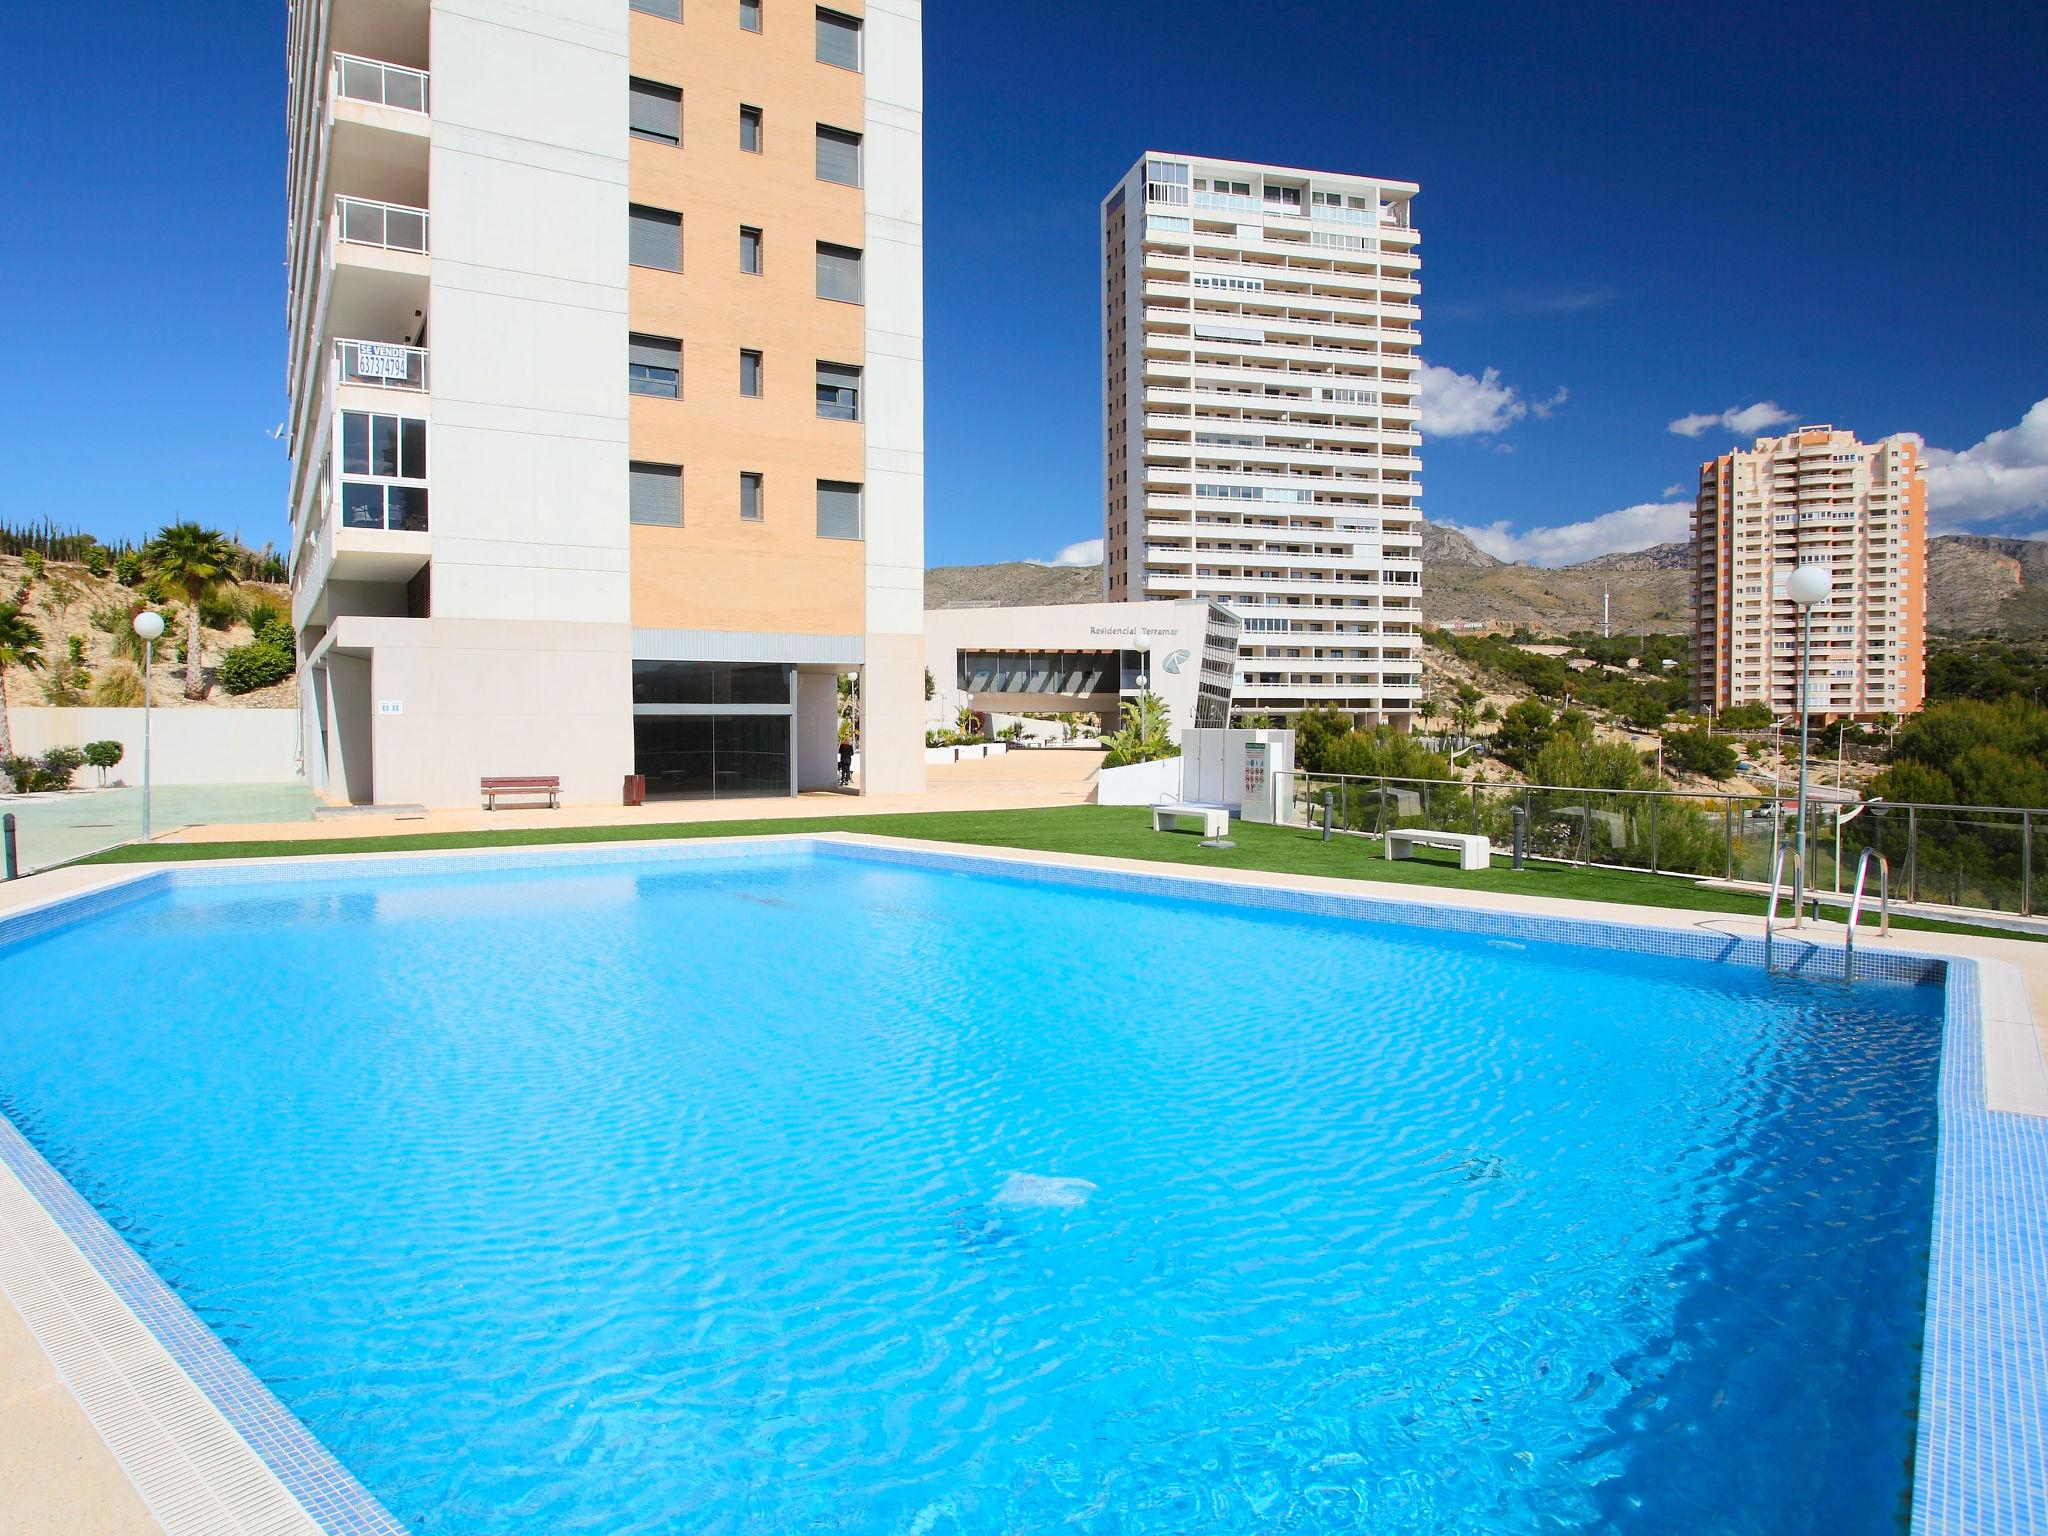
(1139, 783)
(187, 746)
(892, 682)
(528, 311)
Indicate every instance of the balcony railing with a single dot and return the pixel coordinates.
(380, 364)
(393, 226)
(383, 506)
(388, 85)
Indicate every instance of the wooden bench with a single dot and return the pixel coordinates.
(1473, 850)
(1166, 815)
(531, 784)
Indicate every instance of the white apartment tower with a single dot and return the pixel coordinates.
(605, 327)
(1261, 443)
(1816, 497)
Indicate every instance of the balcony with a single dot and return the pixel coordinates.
(380, 84)
(380, 365)
(363, 221)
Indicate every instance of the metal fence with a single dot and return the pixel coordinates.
(1954, 855)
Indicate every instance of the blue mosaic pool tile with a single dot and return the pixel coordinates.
(1981, 1465)
(338, 1503)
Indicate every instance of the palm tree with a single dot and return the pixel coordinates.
(21, 645)
(195, 560)
(1146, 734)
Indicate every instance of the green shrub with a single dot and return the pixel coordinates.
(104, 755)
(33, 559)
(119, 687)
(220, 609)
(59, 763)
(97, 560)
(21, 773)
(1694, 751)
(256, 665)
(1745, 717)
(269, 620)
(128, 569)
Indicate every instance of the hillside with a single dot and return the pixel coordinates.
(1979, 585)
(68, 602)
(1012, 584)
(1976, 585)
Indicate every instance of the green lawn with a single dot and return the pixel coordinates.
(1108, 831)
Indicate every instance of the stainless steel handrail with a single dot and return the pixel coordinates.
(1884, 907)
(1785, 852)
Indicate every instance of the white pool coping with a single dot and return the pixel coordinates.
(199, 1476)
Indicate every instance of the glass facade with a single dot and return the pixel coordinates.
(709, 756)
(687, 747)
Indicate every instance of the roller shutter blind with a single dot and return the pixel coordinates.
(656, 495)
(838, 510)
(655, 112)
(838, 156)
(654, 238)
(839, 273)
(838, 39)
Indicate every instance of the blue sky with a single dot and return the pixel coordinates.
(1632, 215)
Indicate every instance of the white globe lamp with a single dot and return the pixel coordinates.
(149, 628)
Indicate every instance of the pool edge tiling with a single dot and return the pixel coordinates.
(1981, 1463)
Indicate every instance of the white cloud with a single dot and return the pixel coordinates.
(1742, 420)
(1549, 408)
(2004, 475)
(1456, 404)
(1673, 490)
(1637, 527)
(1087, 552)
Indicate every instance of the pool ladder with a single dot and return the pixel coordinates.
(1787, 853)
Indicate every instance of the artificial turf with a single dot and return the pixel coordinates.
(1106, 831)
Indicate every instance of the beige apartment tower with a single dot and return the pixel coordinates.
(1261, 442)
(1818, 497)
(606, 365)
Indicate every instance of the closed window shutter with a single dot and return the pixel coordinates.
(671, 10)
(655, 238)
(839, 273)
(656, 112)
(838, 156)
(656, 497)
(839, 391)
(838, 40)
(654, 351)
(838, 510)
(750, 15)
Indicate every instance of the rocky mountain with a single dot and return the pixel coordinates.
(1980, 585)
(1012, 584)
(1658, 557)
(1976, 585)
(1447, 546)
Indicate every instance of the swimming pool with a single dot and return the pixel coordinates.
(806, 1189)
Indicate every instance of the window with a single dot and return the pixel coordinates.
(750, 374)
(389, 448)
(838, 510)
(654, 238)
(654, 366)
(750, 497)
(670, 10)
(838, 392)
(393, 446)
(656, 494)
(655, 112)
(838, 39)
(838, 156)
(750, 250)
(750, 15)
(750, 130)
(839, 273)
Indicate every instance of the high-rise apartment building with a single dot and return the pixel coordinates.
(1261, 442)
(1812, 497)
(606, 370)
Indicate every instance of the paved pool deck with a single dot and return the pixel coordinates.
(59, 1474)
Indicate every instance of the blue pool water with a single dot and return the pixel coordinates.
(801, 1194)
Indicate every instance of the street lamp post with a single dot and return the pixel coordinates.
(1806, 586)
(149, 624)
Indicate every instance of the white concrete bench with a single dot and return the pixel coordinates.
(1473, 850)
(1166, 815)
